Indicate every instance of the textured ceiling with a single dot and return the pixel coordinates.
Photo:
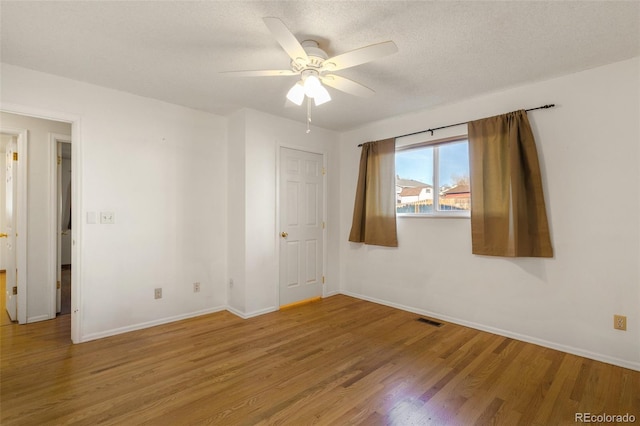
(175, 50)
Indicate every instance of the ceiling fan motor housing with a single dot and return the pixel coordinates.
(316, 56)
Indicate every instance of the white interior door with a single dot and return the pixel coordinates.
(301, 225)
(10, 217)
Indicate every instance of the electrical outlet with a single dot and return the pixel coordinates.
(620, 322)
(196, 287)
(107, 218)
(158, 293)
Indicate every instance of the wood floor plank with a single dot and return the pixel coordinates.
(555, 383)
(336, 361)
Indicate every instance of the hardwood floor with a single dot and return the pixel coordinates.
(336, 361)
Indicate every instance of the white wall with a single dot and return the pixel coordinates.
(255, 139)
(162, 169)
(589, 151)
(236, 211)
(183, 186)
(39, 214)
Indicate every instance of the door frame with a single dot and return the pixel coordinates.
(54, 139)
(76, 208)
(22, 137)
(278, 210)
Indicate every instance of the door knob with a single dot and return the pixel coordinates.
(4, 235)
(284, 234)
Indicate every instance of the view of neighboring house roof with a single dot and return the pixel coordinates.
(410, 183)
(408, 191)
(458, 189)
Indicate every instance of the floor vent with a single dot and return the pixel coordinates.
(430, 322)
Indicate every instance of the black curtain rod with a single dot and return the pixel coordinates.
(459, 124)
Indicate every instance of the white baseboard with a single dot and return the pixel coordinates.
(251, 314)
(142, 325)
(529, 339)
(38, 318)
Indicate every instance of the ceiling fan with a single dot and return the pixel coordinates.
(316, 68)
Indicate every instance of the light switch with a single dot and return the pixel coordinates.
(107, 218)
(92, 218)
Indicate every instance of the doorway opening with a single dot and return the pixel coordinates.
(64, 223)
(14, 232)
(48, 236)
(8, 267)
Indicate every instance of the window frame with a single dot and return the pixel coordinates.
(461, 214)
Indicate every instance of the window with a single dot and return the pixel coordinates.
(433, 179)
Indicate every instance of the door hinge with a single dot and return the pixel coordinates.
(59, 160)
(58, 286)
(322, 225)
(323, 279)
(14, 290)
(324, 171)
(15, 156)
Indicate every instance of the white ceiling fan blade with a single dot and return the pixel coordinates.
(360, 56)
(286, 39)
(348, 86)
(261, 73)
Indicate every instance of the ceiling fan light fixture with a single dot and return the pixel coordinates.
(312, 86)
(321, 96)
(296, 93)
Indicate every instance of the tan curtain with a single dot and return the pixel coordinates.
(508, 214)
(374, 211)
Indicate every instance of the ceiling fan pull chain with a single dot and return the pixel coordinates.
(308, 115)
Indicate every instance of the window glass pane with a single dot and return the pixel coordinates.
(453, 176)
(414, 180)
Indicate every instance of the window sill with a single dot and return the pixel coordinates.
(465, 215)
